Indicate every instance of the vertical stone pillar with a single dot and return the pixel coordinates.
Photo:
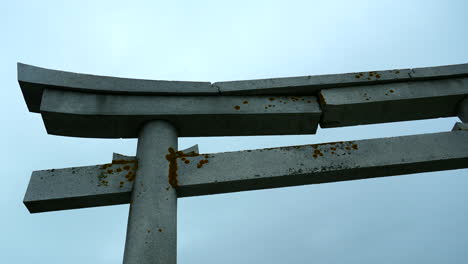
(152, 222)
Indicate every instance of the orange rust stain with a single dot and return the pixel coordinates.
(245, 102)
(392, 91)
(348, 148)
(130, 176)
(201, 163)
(333, 148)
(172, 157)
(126, 167)
(377, 76)
(354, 146)
(321, 99)
(110, 171)
(187, 161)
(237, 107)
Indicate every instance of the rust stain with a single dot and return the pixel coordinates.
(201, 163)
(271, 98)
(237, 107)
(245, 102)
(321, 99)
(172, 157)
(130, 176)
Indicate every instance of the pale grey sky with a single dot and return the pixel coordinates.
(405, 219)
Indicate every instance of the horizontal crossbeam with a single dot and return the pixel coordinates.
(34, 80)
(193, 174)
(121, 116)
(392, 102)
(81, 105)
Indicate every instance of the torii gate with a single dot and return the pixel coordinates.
(158, 112)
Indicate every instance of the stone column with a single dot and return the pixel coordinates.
(152, 223)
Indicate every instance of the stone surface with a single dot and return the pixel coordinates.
(310, 85)
(440, 72)
(152, 222)
(392, 102)
(280, 167)
(121, 116)
(33, 80)
(79, 187)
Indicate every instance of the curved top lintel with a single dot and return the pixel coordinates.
(33, 80)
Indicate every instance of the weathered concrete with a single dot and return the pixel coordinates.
(310, 85)
(440, 72)
(463, 110)
(33, 80)
(281, 167)
(322, 163)
(152, 222)
(81, 187)
(121, 116)
(392, 102)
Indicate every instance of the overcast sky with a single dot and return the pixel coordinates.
(417, 218)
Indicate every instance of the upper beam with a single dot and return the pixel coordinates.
(195, 174)
(33, 80)
(392, 102)
(121, 116)
(307, 85)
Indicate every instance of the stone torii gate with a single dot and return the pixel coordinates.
(158, 112)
